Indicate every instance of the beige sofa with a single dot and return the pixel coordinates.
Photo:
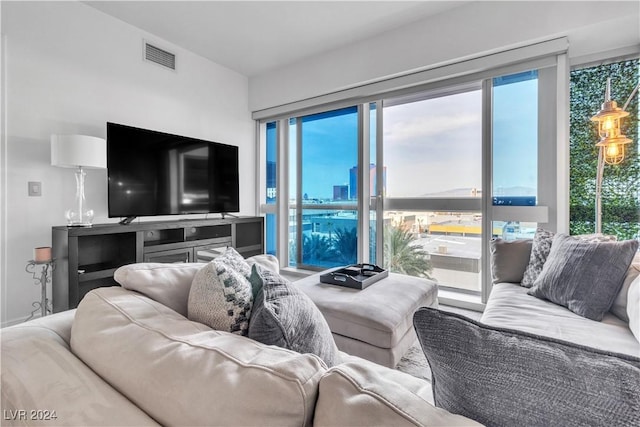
(123, 358)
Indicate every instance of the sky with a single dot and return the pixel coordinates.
(430, 146)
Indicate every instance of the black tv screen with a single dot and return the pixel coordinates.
(155, 173)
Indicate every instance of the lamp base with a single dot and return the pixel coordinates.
(79, 225)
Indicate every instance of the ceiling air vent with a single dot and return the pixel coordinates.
(159, 56)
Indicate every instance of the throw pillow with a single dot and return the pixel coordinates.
(542, 241)
(509, 259)
(539, 252)
(584, 276)
(286, 317)
(633, 307)
(168, 283)
(619, 307)
(506, 377)
(220, 295)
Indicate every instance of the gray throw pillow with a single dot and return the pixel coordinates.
(539, 253)
(286, 317)
(584, 276)
(542, 241)
(505, 377)
(509, 259)
(220, 295)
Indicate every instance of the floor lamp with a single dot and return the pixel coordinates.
(80, 152)
(612, 142)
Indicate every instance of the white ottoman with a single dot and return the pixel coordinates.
(375, 323)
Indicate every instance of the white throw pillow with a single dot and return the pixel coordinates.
(267, 261)
(619, 307)
(221, 295)
(169, 284)
(633, 307)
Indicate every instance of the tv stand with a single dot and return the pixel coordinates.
(127, 220)
(224, 214)
(87, 258)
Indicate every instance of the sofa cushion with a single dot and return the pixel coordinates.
(220, 294)
(366, 394)
(583, 276)
(168, 284)
(184, 373)
(619, 307)
(633, 308)
(509, 259)
(511, 307)
(539, 252)
(286, 317)
(505, 377)
(39, 372)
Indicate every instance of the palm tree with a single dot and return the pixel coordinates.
(345, 244)
(401, 256)
(315, 247)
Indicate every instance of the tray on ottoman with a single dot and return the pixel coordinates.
(356, 276)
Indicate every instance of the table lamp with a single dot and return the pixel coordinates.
(80, 152)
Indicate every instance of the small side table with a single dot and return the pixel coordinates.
(45, 277)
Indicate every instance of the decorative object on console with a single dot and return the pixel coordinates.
(80, 152)
(612, 142)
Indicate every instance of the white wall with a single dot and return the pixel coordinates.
(468, 31)
(70, 69)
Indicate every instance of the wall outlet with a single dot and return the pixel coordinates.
(35, 189)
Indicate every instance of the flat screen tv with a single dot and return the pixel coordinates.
(154, 173)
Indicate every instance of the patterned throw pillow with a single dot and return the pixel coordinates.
(220, 295)
(542, 246)
(286, 317)
(539, 253)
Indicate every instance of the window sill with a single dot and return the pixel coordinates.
(460, 300)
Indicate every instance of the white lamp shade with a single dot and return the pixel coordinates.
(71, 151)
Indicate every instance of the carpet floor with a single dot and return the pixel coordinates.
(414, 363)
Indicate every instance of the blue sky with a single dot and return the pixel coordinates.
(430, 146)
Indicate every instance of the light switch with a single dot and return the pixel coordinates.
(35, 189)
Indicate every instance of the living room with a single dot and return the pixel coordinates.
(62, 89)
(69, 68)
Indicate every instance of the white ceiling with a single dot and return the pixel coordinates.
(252, 37)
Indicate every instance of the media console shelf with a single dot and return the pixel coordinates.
(86, 258)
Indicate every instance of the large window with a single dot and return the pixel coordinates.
(323, 223)
(418, 182)
(433, 157)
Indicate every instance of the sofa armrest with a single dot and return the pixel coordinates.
(507, 377)
(363, 393)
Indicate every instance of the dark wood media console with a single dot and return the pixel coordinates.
(86, 258)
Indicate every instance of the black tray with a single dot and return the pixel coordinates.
(356, 276)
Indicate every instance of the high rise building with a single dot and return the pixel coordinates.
(353, 180)
(340, 192)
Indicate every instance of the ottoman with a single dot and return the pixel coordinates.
(375, 323)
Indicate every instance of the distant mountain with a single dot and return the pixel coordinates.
(469, 192)
(454, 192)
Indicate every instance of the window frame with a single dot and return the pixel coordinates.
(553, 145)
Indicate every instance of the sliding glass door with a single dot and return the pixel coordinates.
(418, 182)
(432, 210)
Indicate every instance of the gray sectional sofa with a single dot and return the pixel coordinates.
(131, 357)
(532, 362)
